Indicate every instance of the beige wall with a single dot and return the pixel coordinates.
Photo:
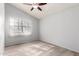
(11, 11)
(1, 28)
(62, 29)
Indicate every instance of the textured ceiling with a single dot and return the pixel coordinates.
(48, 9)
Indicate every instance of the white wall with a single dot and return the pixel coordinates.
(1, 28)
(11, 11)
(62, 29)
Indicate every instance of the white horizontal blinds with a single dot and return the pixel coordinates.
(20, 26)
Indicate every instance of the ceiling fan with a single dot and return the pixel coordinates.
(35, 5)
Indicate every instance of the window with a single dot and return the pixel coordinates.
(19, 26)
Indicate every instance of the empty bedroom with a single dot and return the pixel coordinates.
(41, 29)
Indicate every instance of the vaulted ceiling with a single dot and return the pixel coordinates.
(48, 9)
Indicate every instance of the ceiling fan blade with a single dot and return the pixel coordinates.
(40, 4)
(39, 9)
(31, 8)
(27, 3)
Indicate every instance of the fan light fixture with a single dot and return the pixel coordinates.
(35, 5)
